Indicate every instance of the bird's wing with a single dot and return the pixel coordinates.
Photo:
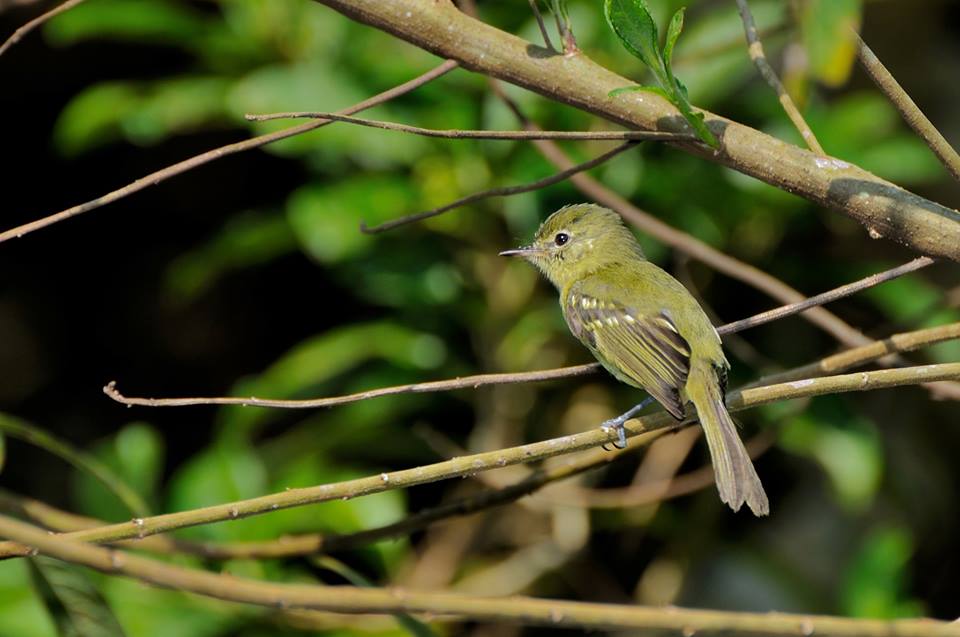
(644, 347)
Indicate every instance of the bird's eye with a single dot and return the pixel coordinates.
(561, 238)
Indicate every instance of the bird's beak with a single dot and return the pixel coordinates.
(526, 251)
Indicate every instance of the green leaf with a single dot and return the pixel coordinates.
(3, 452)
(695, 119)
(246, 240)
(326, 217)
(876, 579)
(140, 21)
(223, 473)
(135, 454)
(649, 89)
(829, 28)
(673, 32)
(82, 461)
(633, 24)
(76, 607)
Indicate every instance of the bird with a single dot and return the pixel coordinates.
(647, 330)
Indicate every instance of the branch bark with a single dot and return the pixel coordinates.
(521, 610)
(471, 465)
(886, 210)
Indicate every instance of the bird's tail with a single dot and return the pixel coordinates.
(737, 480)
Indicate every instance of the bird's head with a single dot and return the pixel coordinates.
(576, 241)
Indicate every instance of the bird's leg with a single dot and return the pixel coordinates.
(618, 422)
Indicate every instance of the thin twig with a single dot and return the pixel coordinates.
(465, 382)
(842, 361)
(827, 297)
(543, 27)
(36, 22)
(470, 465)
(908, 109)
(502, 191)
(456, 133)
(78, 458)
(523, 610)
(755, 48)
(230, 149)
(518, 377)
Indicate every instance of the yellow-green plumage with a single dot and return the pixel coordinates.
(646, 329)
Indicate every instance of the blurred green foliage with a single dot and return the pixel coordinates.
(433, 301)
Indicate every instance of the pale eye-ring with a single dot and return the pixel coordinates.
(561, 238)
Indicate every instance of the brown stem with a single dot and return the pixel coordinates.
(523, 610)
(230, 149)
(503, 191)
(36, 22)
(755, 48)
(908, 109)
(456, 133)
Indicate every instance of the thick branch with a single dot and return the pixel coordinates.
(884, 208)
(522, 610)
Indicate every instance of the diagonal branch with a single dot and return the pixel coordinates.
(480, 380)
(908, 109)
(456, 133)
(36, 22)
(473, 464)
(230, 149)
(755, 49)
(521, 610)
(884, 208)
(503, 191)
(81, 460)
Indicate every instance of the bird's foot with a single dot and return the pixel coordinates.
(617, 424)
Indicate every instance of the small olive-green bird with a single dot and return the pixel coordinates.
(646, 329)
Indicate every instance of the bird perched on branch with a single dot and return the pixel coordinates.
(647, 330)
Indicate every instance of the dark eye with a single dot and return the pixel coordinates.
(561, 238)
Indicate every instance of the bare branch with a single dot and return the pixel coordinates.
(456, 133)
(908, 109)
(36, 22)
(884, 208)
(466, 382)
(826, 297)
(471, 465)
(502, 191)
(523, 610)
(230, 149)
(543, 27)
(755, 48)
(518, 377)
